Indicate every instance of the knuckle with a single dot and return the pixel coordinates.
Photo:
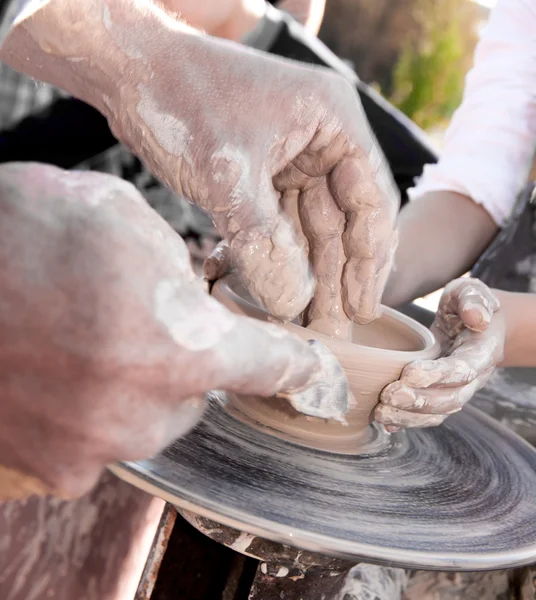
(388, 415)
(381, 412)
(390, 390)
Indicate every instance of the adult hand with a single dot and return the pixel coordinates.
(240, 134)
(470, 328)
(257, 135)
(109, 341)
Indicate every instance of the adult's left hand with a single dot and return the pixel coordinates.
(470, 327)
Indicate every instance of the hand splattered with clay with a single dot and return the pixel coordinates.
(283, 159)
(109, 340)
(471, 330)
(248, 137)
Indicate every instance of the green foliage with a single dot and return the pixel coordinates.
(428, 79)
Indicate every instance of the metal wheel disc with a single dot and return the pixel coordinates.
(457, 497)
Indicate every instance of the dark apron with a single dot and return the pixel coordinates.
(509, 264)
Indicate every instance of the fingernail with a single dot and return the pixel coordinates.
(476, 316)
(210, 267)
(485, 315)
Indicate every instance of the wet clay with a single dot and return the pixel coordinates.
(376, 356)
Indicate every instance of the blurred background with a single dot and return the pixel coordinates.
(415, 52)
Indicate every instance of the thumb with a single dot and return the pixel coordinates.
(267, 254)
(218, 263)
(263, 359)
(474, 302)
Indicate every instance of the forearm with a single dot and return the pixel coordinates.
(85, 48)
(440, 237)
(520, 317)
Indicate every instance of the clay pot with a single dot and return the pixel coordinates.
(376, 358)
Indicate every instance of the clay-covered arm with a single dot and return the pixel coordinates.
(71, 44)
(520, 316)
(229, 19)
(440, 237)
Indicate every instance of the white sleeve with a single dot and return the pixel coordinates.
(489, 145)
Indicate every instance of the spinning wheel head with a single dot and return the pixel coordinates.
(459, 496)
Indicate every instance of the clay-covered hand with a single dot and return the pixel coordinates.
(241, 134)
(247, 135)
(471, 330)
(109, 340)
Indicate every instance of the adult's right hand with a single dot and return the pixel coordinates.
(108, 339)
(242, 135)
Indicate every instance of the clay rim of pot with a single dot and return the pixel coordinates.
(231, 287)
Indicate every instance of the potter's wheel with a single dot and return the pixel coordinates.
(461, 496)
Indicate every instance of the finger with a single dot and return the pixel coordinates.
(358, 186)
(274, 268)
(156, 425)
(264, 359)
(218, 263)
(289, 204)
(327, 396)
(269, 259)
(467, 303)
(217, 349)
(443, 401)
(323, 225)
(472, 355)
(477, 304)
(395, 417)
